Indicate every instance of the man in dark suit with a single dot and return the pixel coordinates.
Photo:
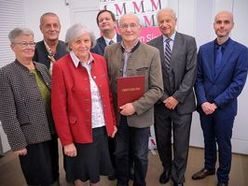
(50, 48)
(174, 110)
(107, 24)
(222, 71)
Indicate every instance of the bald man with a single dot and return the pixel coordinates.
(221, 76)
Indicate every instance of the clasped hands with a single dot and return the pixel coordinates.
(170, 103)
(208, 108)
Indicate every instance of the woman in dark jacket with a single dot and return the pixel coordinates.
(25, 111)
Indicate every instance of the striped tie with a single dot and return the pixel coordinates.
(167, 53)
(111, 42)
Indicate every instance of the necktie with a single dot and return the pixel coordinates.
(111, 42)
(218, 58)
(167, 53)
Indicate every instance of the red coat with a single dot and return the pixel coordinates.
(71, 99)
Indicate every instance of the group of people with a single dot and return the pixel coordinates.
(69, 90)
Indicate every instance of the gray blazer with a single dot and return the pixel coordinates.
(22, 111)
(183, 64)
(145, 61)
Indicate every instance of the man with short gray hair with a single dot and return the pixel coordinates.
(50, 48)
(127, 59)
(173, 112)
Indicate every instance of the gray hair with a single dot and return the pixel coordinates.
(169, 10)
(76, 31)
(130, 15)
(47, 14)
(13, 34)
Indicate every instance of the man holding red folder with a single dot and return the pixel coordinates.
(131, 58)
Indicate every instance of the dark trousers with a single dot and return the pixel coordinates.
(111, 145)
(217, 127)
(134, 141)
(167, 122)
(40, 166)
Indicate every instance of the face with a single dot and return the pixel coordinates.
(50, 28)
(129, 28)
(167, 23)
(81, 46)
(24, 47)
(223, 24)
(105, 22)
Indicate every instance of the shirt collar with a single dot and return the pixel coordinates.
(223, 45)
(136, 45)
(76, 61)
(172, 37)
(107, 40)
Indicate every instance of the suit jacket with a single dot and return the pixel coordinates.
(223, 87)
(41, 54)
(71, 99)
(183, 64)
(145, 61)
(22, 110)
(101, 44)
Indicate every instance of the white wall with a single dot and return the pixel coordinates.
(34, 9)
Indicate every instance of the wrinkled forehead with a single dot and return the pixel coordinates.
(50, 19)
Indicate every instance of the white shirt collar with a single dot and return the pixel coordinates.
(108, 40)
(172, 37)
(76, 61)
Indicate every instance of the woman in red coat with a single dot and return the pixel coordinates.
(82, 108)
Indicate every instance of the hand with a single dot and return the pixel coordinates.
(170, 103)
(70, 150)
(208, 108)
(127, 109)
(115, 130)
(21, 152)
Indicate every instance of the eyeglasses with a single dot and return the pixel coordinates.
(26, 44)
(131, 26)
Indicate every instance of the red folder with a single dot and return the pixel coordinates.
(130, 89)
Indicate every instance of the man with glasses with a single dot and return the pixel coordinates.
(50, 48)
(174, 110)
(126, 59)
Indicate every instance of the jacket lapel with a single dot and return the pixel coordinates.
(102, 43)
(160, 46)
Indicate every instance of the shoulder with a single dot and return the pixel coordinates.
(63, 60)
(148, 48)
(40, 44)
(62, 44)
(8, 67)
(184, 36)
(115, 47)
(98, 57)
(100, 40)
(207, 45)
(156, 40)
(238, 45)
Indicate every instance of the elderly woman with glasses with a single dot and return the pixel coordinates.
(25, 111)
(82, 108)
